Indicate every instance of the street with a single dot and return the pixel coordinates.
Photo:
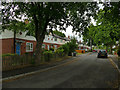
(85, 71)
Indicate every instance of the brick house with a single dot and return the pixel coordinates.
(82, 48)
(25, 43)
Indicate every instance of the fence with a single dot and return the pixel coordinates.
(20, 61)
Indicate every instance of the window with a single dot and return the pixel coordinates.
(29, 47)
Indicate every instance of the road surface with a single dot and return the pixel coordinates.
(85, 71)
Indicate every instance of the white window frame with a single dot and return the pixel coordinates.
(43, 45)
(31, 48)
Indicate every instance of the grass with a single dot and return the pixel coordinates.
(79, 53)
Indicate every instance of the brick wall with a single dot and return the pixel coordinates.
(23, 45)
(7, 46)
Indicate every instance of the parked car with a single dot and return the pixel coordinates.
(102, 53)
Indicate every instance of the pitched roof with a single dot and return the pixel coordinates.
(64, 38)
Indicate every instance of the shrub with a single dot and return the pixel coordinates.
(60, 52)
(43, 49)
(52, 49)
(8, 54)
(48, 55)
(72, 46)
(65, 48)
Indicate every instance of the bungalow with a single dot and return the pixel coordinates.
(25, 43)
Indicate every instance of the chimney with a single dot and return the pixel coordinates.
(80, 41)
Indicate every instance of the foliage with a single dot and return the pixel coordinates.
(42, 15)
(112, 14)
(48, 52)
(68, 47)
(65, 48)
(72, 45)
(52, 49)
(59, 51)
(59, 33)
(8, 54)
(43, 49)
(105, 33)
(48, 55)
(112, 11)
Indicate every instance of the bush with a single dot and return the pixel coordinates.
(48, 55)
(43, 49)
(72, 46)
(8, 54)
(52, 49)
(60, 52)
(65, 48)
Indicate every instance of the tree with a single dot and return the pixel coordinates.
(59, 33)
(112, 14)
(105, 32)
(44, 15)
(72, 46)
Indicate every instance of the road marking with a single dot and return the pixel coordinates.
(114, 65)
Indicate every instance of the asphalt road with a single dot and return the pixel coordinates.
(86, 71)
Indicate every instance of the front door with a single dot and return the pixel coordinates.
(18, 48)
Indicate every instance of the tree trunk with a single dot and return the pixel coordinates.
(40, 31)
(38, 52)
(118, 51)
(40, 35)
(110, 49)
(107, 48)
(91, 44)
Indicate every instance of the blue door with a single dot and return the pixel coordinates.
(18, 48)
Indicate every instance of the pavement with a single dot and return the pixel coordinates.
(114, 58)
(85, 71)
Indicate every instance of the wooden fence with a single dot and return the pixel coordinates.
(20, 61)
